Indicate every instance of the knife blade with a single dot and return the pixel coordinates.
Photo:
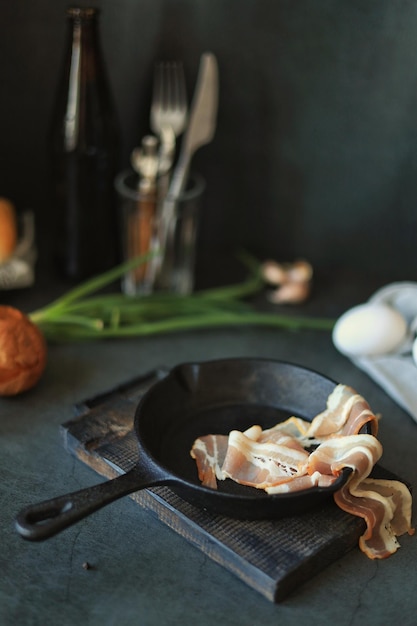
(202, 121)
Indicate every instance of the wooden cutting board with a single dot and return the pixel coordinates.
(273, 557)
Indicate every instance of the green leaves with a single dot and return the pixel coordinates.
(82, 314)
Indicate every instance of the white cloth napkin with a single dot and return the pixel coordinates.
(396, 373)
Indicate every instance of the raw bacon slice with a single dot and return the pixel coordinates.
(303, 482)
(360, 452)
(293, 428)
(209, 452)
(385, 505)
(345, 414)
(399, 493)
(254, 432)
(276, 460)
(261, 465)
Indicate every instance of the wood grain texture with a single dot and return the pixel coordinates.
(274, 557)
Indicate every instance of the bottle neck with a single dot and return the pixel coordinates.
(83, 13)
(84, 34)
(85, 67)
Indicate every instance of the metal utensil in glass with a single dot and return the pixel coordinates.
(169, 110)
(200, 131)
(168, 119)
(141, 222)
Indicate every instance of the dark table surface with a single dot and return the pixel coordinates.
(142, 572)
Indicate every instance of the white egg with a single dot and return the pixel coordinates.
(369, 329)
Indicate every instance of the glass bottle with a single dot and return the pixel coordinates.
(84, 151)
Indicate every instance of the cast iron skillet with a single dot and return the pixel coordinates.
(193, 400)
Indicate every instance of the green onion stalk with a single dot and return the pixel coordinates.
(83, 313)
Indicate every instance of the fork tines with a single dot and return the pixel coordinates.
(169, 100)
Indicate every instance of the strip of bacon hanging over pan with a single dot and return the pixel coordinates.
(278, 460)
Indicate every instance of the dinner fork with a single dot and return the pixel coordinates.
(168, 119)
(169, 110)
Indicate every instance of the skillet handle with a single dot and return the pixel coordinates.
(41, 521)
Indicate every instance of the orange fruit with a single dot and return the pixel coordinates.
(8, 229)
(23, 352)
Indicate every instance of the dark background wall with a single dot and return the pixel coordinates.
(315, 150)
